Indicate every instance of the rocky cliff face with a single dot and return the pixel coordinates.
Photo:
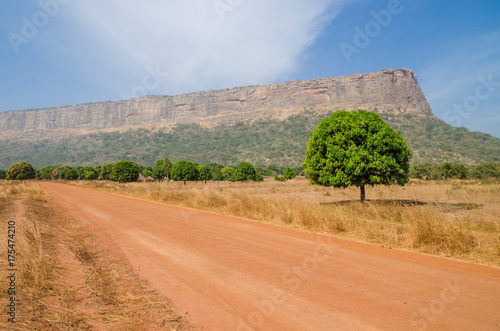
(385, 90)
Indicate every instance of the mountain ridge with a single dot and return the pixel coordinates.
(388, 89)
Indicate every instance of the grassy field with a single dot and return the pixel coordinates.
(66, 278)
(455, 219)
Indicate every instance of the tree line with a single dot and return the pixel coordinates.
(217, 172)
(128, 171)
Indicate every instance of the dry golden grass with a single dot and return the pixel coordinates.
(66, 278)
(458, 219)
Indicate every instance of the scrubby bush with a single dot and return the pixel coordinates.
(289, 174)
(280, 178)
(3, 174)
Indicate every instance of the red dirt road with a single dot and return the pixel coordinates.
(234, 274)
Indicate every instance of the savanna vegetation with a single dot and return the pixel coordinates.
(264, 142)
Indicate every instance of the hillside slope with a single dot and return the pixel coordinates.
(268, 141)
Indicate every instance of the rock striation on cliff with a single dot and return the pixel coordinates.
(388, 89)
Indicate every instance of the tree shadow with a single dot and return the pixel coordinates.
(447, 206)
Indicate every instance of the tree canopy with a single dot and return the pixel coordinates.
(125, 171)
(184, 171)
(356, 148)
(245, 171)
(21, 171)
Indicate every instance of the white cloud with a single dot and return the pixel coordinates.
(256, 42)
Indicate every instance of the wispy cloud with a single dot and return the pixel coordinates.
(256, 41)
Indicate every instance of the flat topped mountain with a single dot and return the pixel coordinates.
(388, 89)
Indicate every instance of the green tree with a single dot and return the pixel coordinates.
(167, 166)
(184, 171)
(217, 176)
(58, 172)
(88, 175)
(84, 173)
(486, 170)
(204, 173)
(147, 172)
(356, 148)
(45, 172)
(228, 173)
(20, 171)
(245, 171)
(106, 171)
(124, 172)
(3, 174)
(71, 174)
(289, 174)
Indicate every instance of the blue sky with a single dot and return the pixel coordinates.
(60, 52)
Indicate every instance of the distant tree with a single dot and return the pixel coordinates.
(167, 167)
(124, 172)
(215, 167)
(88, 175)
(3, 174)
(228, 173)
(71, 174)
(147, 172)
(20, 171)
(486, 170)
(58, 172)
(356, 148)
(97, 170)
(218, 176)
(84, 173)
(184, 171)
(162, 169)
(45, 172)
(289, 174)
(204, 173)
(106, 171)
(454, 171)
(245, 171)
(421, 171)
(261, 169)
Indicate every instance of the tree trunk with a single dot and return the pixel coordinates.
(184, 182)
(362, 193)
